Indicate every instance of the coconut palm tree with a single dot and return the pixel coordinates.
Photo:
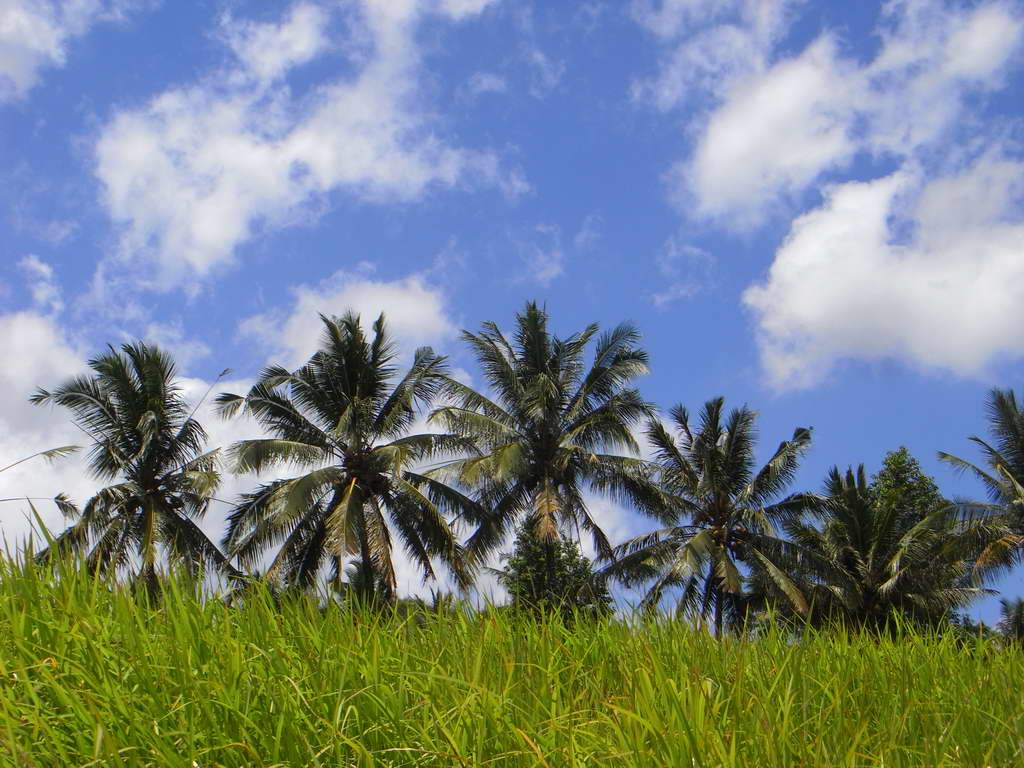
(144, 434)
(1011, 621)
(1003, 478)
(864, 558)
(549, 428)
(720, 515)
(343, 420)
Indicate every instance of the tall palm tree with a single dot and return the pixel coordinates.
(549, 429)
(864, 559)
(144, 434)
(343, 420)
(720, 515)
(1011, 621)
(1003, 478)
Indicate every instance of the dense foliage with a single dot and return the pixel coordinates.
(891, 547)
(545, 576)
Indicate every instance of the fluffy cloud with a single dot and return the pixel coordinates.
(36, 352)
(34, 34)
(416, 313)
(921, 265)
(776, 124)
(201, 169)
(42, 283)
(709, 45)
(850, 282)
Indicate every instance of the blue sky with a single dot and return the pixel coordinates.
(813, 208)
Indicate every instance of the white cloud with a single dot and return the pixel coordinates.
(268, 51)
(416, 313)
(35, 34)
(171, 337)
(46, 293)
(543, 256)
(710, 44)
(776, 124)
(773, 137)
(36, 352)
(685, 270)
(545, 72)
(485, 82)
(589, 233)
(850, 283)
(460, 9)
(201, 169)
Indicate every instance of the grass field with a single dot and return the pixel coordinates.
(92, 677)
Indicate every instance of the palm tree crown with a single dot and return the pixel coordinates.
(1011, 621)
(718, 513)
(549, 427)
(870, 554)
(144, 434)
(1003, 479)
(344, 420)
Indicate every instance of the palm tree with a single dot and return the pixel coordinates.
(144, 434)
(1011, 622)
(719, 515)
(1003, 479)
(344, 421)
(548, 430)
(865, 559)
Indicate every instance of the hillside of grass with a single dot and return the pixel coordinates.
(94, 676)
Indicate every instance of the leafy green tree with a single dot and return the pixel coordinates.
(1011, 621)
(549, 428)
(547, 576)
(145, 434)
(891, 546)
(343, 418)
(720, 514)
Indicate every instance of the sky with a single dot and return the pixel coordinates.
(813, 208)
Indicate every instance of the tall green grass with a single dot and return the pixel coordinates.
(94, 676)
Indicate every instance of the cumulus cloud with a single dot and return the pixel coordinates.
(201, 169)
(35, 34)
(36, 352)
(42, 282)
(774, 123)
(916, 265)
(849, 282)
(416, 312)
